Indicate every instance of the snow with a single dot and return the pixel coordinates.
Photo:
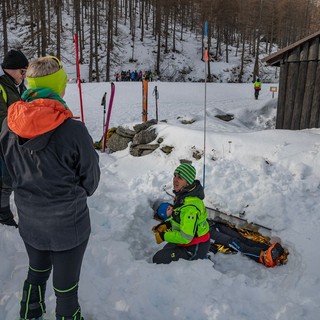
(271, 174)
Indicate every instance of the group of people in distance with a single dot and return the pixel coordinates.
(49, 162)
(134, 75)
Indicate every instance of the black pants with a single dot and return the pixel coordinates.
(5, 186)
(172, 252)
(228, 237)
(66, 266)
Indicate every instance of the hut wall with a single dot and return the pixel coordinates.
(299, 87)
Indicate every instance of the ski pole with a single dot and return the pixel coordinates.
(206, 59)
(108, 117)
(156, 95)
(103, 103)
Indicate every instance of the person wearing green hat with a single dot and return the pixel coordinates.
(54, 168)
(186, 230)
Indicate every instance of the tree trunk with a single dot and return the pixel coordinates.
(4, 27)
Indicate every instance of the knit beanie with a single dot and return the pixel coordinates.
(187, 172)
(15, 59)
(56, 81)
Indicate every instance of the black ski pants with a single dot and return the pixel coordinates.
(172, 252)
(222, 234)
(66, 266)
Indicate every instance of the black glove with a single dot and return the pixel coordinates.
(6, 217)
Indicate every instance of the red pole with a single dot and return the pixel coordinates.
(78, 74)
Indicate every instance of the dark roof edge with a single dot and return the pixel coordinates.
(274, 58)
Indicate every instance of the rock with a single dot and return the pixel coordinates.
(144, 137)
(142, 149)
(225, 117)
(144, 126)
(117, 143)
(167, 149)
(126, 133)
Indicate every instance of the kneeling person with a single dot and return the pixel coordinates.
(186, 230)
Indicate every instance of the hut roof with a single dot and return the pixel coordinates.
(275, 58)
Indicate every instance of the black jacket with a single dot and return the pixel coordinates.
(13, 93)
(52, 176)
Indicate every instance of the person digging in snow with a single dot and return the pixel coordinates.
(186, 230)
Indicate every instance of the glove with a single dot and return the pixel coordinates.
(161, 227)
(6, 217)
(159, 237)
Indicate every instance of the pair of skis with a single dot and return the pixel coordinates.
(106, 120)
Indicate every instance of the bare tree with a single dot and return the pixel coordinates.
(4, 26)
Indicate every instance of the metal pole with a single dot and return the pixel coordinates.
(206, 59)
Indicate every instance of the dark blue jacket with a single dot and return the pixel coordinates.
(52, 176)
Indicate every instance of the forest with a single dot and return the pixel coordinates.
(244, 24)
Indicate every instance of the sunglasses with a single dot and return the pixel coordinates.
(23, 72)
(58, 61)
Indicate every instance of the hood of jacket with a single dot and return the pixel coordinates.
(31, 119)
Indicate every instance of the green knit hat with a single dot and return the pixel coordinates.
(56, 81)
(187, 172)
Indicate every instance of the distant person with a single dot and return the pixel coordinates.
(12, 74)
(257, 88)
(187, 229)
(54, 168)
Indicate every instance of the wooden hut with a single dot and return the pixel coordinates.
(299, 84)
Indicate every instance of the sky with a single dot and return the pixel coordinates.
(271, 174)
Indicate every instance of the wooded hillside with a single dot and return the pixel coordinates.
(244, 24)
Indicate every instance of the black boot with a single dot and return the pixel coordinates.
(76, 316)
(6, 217)
(32, 304)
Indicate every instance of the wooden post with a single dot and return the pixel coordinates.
(273, 90)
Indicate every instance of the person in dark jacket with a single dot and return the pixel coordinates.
(54, 168)
(265, 253)
(186, 230)
(12, 74)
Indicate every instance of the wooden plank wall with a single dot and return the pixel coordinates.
(299, 87)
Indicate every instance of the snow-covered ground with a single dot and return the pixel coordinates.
(273, 174)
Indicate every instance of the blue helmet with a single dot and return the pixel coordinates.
(162, 210)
